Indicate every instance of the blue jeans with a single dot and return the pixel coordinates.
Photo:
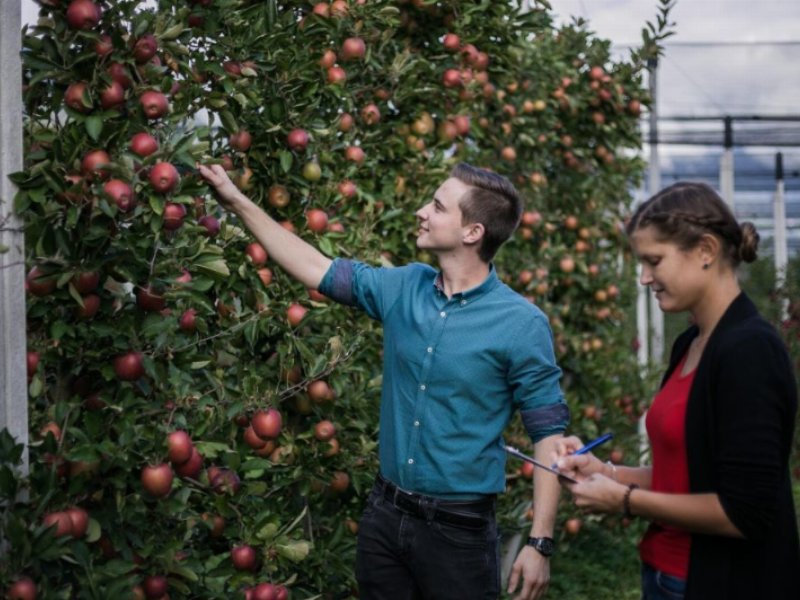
(401, 556)
(657, 585)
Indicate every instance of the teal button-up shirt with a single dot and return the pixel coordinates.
(454, 370)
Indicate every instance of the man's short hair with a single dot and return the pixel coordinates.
(492, 201)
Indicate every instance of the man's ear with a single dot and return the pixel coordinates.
(473, 233)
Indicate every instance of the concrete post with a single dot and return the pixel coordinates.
(13, 378)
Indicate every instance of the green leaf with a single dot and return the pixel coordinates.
(94, 127)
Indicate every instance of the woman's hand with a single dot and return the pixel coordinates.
(579, 466)
(597, 493)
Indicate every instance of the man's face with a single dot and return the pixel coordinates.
(440, 220)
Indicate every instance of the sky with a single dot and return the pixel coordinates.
(727, 57)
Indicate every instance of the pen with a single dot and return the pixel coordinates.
(594, 443)
(530, 459)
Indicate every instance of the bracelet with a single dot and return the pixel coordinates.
(626, 501)
(613, 470)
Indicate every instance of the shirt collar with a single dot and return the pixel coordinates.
(488, 285)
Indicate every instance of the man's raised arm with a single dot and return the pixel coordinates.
(298, 258)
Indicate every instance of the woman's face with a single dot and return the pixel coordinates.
(675, 276)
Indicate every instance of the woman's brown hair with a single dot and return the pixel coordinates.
(685, 211)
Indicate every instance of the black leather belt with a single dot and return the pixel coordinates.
(454, 512)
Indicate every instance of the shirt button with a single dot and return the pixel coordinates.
(430, 349)
(416, 423)
(463, 302)
(422, 387)
(443, 314)
(411, 461)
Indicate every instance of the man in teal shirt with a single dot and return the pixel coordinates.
(462, 352)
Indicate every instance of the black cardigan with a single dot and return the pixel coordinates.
(740, 421)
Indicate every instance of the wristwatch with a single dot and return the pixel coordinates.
(545, 545)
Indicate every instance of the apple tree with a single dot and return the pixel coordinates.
(203, 425)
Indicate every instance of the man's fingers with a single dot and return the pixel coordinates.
(513, 581)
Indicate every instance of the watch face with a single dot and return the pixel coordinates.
(545, 546)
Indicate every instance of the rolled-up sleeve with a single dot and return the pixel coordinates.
(355, 284)
(535, 378)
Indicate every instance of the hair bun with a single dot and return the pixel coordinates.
(748, 248)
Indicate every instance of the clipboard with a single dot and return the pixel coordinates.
(514, 452)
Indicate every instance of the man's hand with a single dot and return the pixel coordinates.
(228, 194)
(533, 570)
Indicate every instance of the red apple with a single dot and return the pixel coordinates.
(241, 140)
(348, 189)
(223, 481)
(339, 8)
(324, 430)
(79, 519)
(354, 154)
(339, 482)
(451, 42)
(336, 75)
(251, 439)
(93, 161)
(264, 591)
(83, 14)
(319, 391)
(173, 216)
(129, 367)
(322, 9)
(295, 314)
(526, 470)
(150, 299)
(104, 46)
(191, 468)
(22, 589)
(346, 122)
(61, 521)
(179, 446)
(353, 48)
(297, 139)
(157, 479)
(452, 78)
(32, 362)
(265, 275)
(188, 320)
(119, 73)
(155, 586)
(256, 253)
(243, 557)
(573, 526)
(154, 104)
(281, 593)
(74, 97)
(328, 59)
(164, 177)
(371, 114)
(51, 428)
(38, 283)
(85, 281)
(145, 48)
(210, 223)
(112, 95)
(143, 144)
(91, 304)
(121, 193)
(267, 423)
(278, 196)
(317, 220)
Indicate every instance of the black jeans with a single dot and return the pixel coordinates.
(404, 556)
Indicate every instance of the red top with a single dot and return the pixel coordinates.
(663, 547)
